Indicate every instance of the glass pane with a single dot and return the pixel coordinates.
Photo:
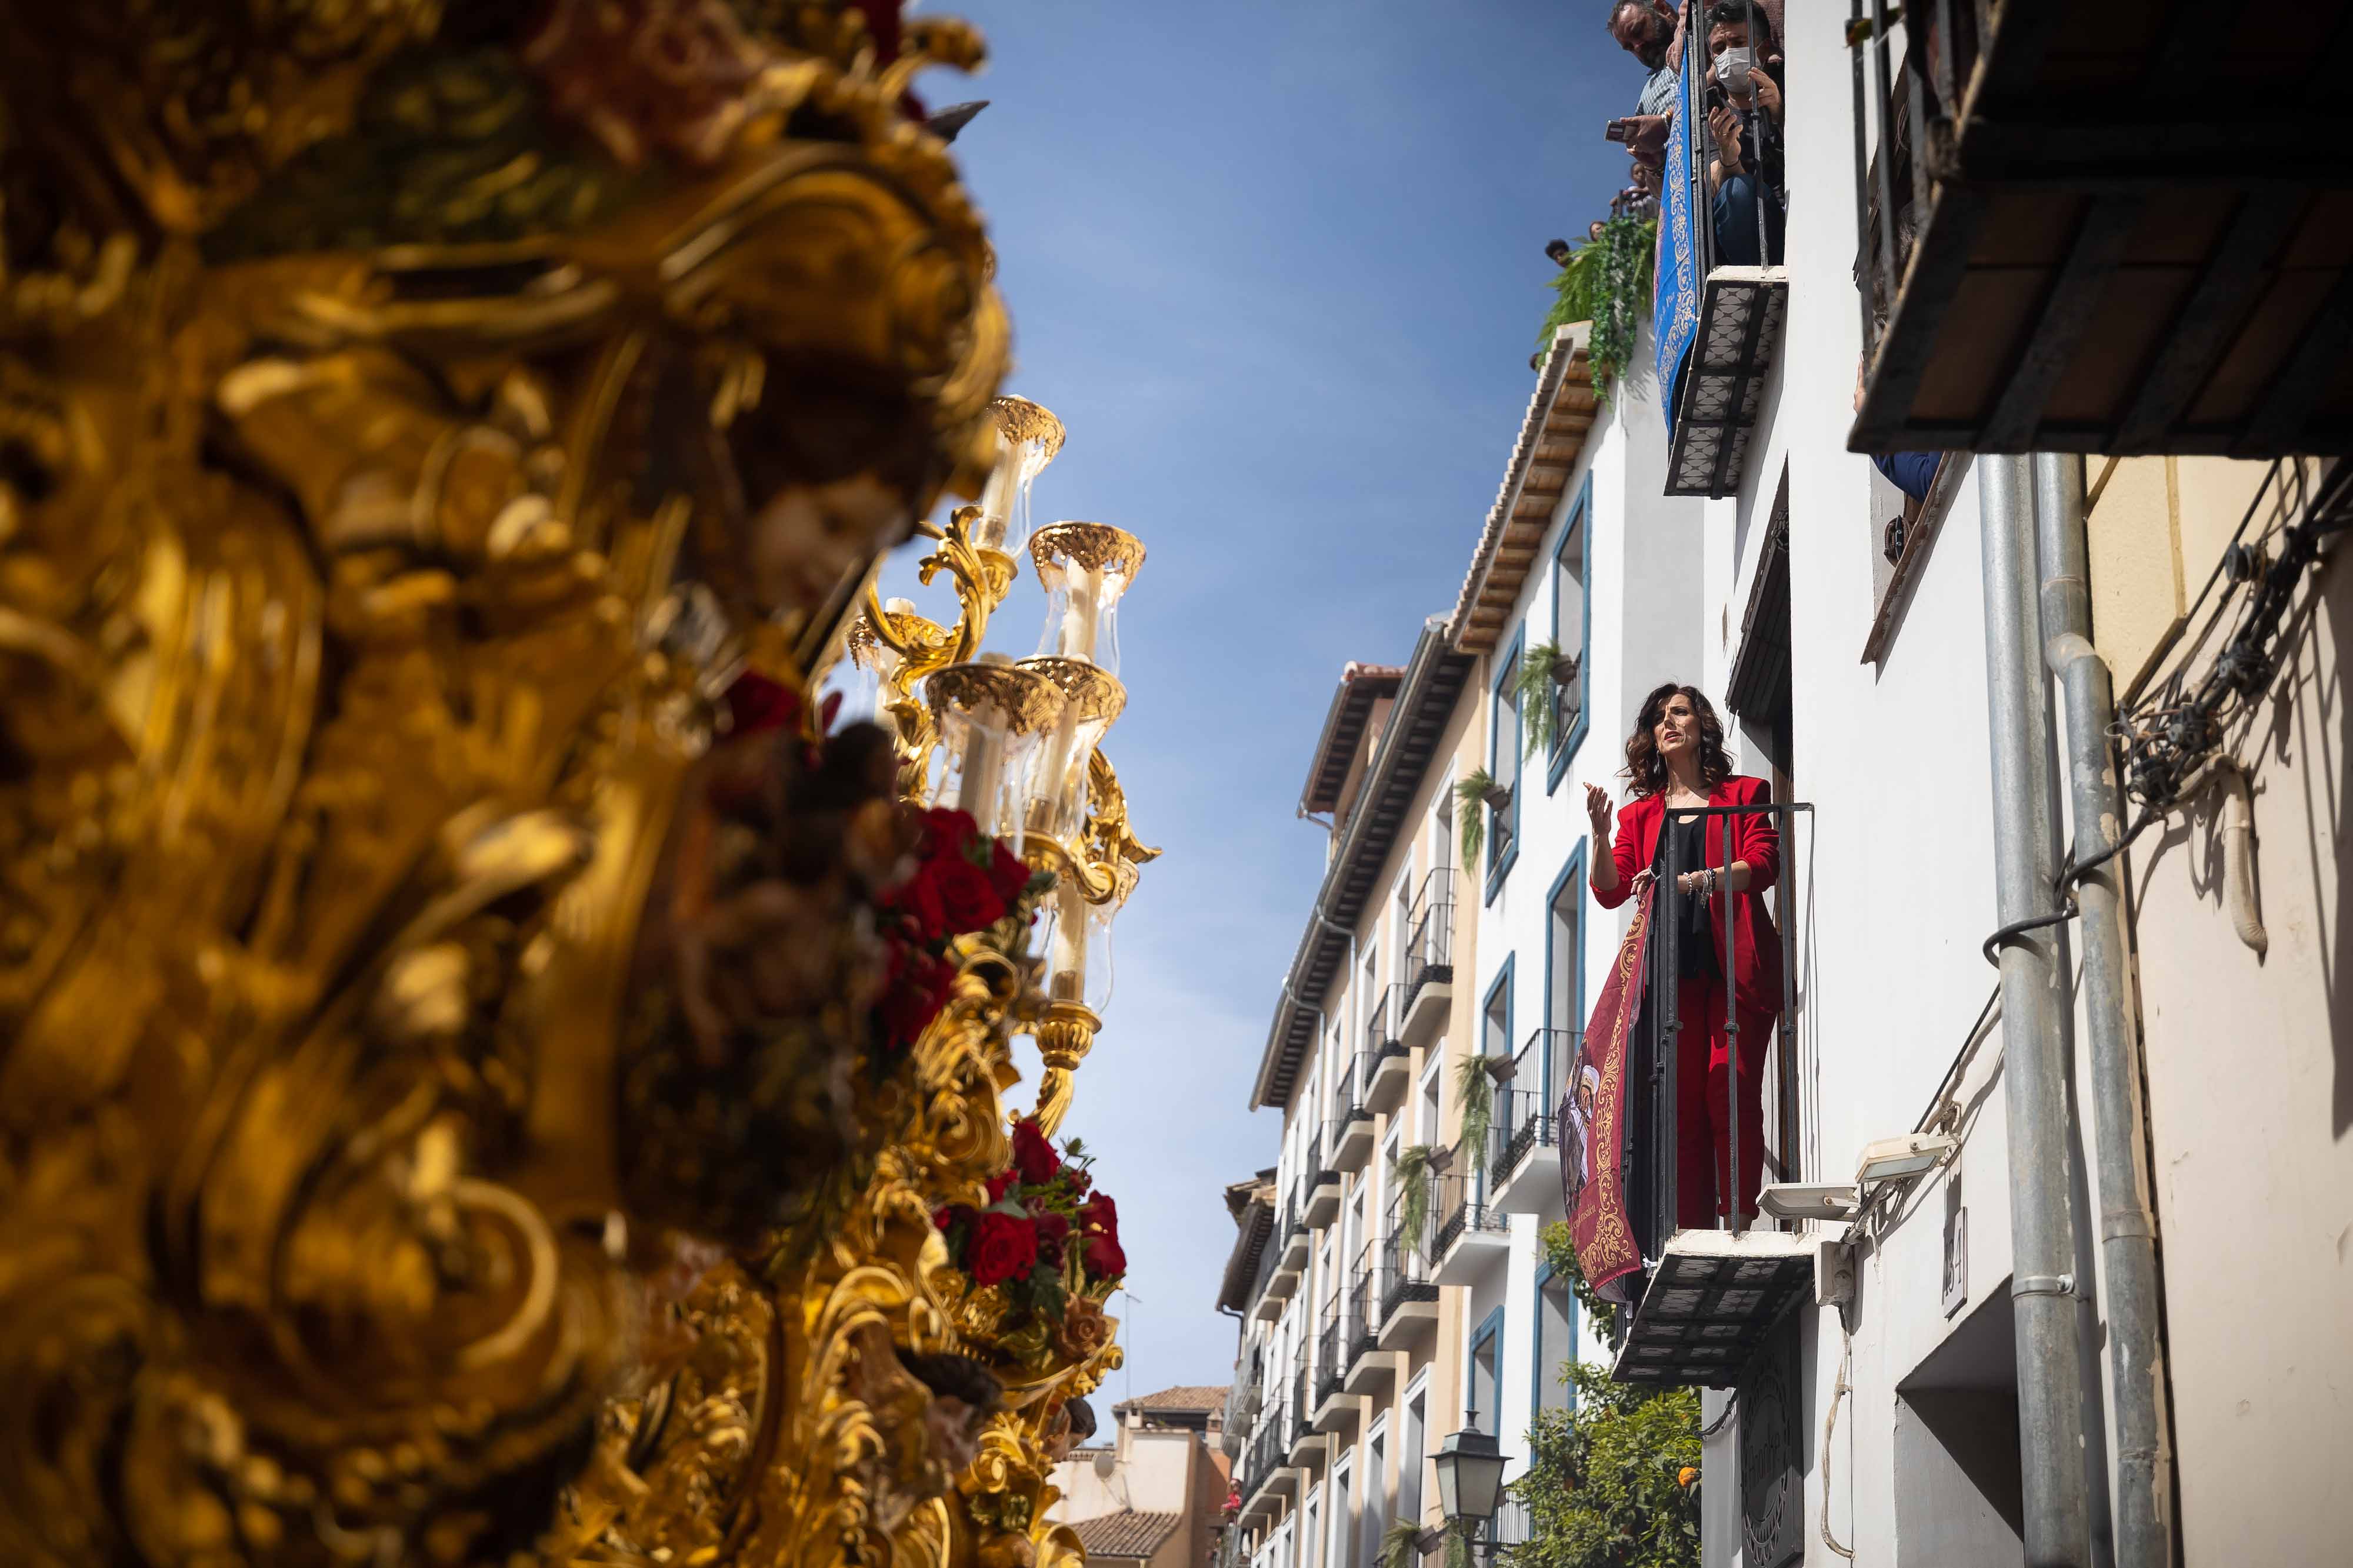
(1555, 1342)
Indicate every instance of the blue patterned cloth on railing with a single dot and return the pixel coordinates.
(1674, 294)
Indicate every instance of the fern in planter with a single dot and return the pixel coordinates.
(1474, 1092)
(1410, 1173)
(1400, 1544)
(1473, 793)
(1607, 283)
(1533, 691)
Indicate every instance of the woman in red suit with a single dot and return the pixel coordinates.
(1675, 761)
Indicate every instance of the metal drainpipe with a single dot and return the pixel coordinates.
(2128, 1225)
(2041, 1217)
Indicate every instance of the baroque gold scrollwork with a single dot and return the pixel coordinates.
(414, 422)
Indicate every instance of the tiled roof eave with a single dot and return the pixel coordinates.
(1561, 415)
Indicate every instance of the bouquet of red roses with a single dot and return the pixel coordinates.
(1048, 1243)
(964, 882)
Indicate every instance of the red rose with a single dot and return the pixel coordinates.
(1103, 1258)
(1001, 1248)
(998, 1185)
(756, 704)
(1053, 1233)
(946, 831)
(1101, 1216)
(1033, 1156)
(915, 992)
(967, 902)
(1007, 872)
(918, 899)
(1079, 1182)
(952, 1215)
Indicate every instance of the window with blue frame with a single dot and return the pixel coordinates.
(1507, 734)
(1486, 1375)
(1565, 975)
(1555, 1342)
(1572, 602)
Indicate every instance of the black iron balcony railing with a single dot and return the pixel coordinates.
(1331, 1352)
(1300, 1389)
(1430, 944)
(1464, 1202)
(1347, 1098)
(1527, 1106)
(1360, 1329)
(1402, 1271)
(1651, 1180)
(1320, 1168)
(1378, 1027)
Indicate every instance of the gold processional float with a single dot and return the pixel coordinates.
(485, 1076)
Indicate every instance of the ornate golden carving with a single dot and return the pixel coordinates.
(413, 421)
(1091, 546)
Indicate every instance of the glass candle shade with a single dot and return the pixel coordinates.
(1092, 699)
(1077, 943)
(1028, 437)
(875, 661)
(1084, 568)
(993, 718)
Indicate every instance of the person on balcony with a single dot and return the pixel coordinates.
(1676, 764)
(1743, 122)
(1645, 30)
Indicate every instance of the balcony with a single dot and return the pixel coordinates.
(1387, 1072)
(1430, 960)
(1404, 1295)
(1370, 1369)
(1323, 1205)
(1290, 1254)
(1472, 1235)
(1268, 1475)
(1713, 1291)
(1523, 1172)
(1334, 1406)
(1720, 331)
(2129, 240)
(1352, 1120)
(1309, 1447)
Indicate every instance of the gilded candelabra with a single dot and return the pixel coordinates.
(1016, 744)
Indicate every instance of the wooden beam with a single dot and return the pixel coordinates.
(2277, 426)
(2210, 319)
(2068, 306)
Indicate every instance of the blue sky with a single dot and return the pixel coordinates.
(1279, 267)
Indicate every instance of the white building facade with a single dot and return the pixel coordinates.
(2117, 1228)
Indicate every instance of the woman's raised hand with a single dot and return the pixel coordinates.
(1597, 806)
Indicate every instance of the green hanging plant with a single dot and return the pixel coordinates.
(1409, 1172)
(1471, 798)
(1532, 690)
(1457, 1546)
(1607, 283)
(1474, 1093)
(1400, 1544)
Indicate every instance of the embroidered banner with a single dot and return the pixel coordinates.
(1674, 293)
(1593, 1122)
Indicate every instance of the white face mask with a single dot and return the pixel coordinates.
(1731, 70)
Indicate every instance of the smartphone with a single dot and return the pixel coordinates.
(1618, 131)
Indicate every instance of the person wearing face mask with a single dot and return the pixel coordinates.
(1676, 764)
(1743, 122)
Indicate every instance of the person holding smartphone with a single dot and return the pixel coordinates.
(1744, 120)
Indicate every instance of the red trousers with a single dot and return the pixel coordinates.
(1703, 1123)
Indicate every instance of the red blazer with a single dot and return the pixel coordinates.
(1756, 968)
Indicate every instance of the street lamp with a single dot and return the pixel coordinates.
(1469, 1480)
